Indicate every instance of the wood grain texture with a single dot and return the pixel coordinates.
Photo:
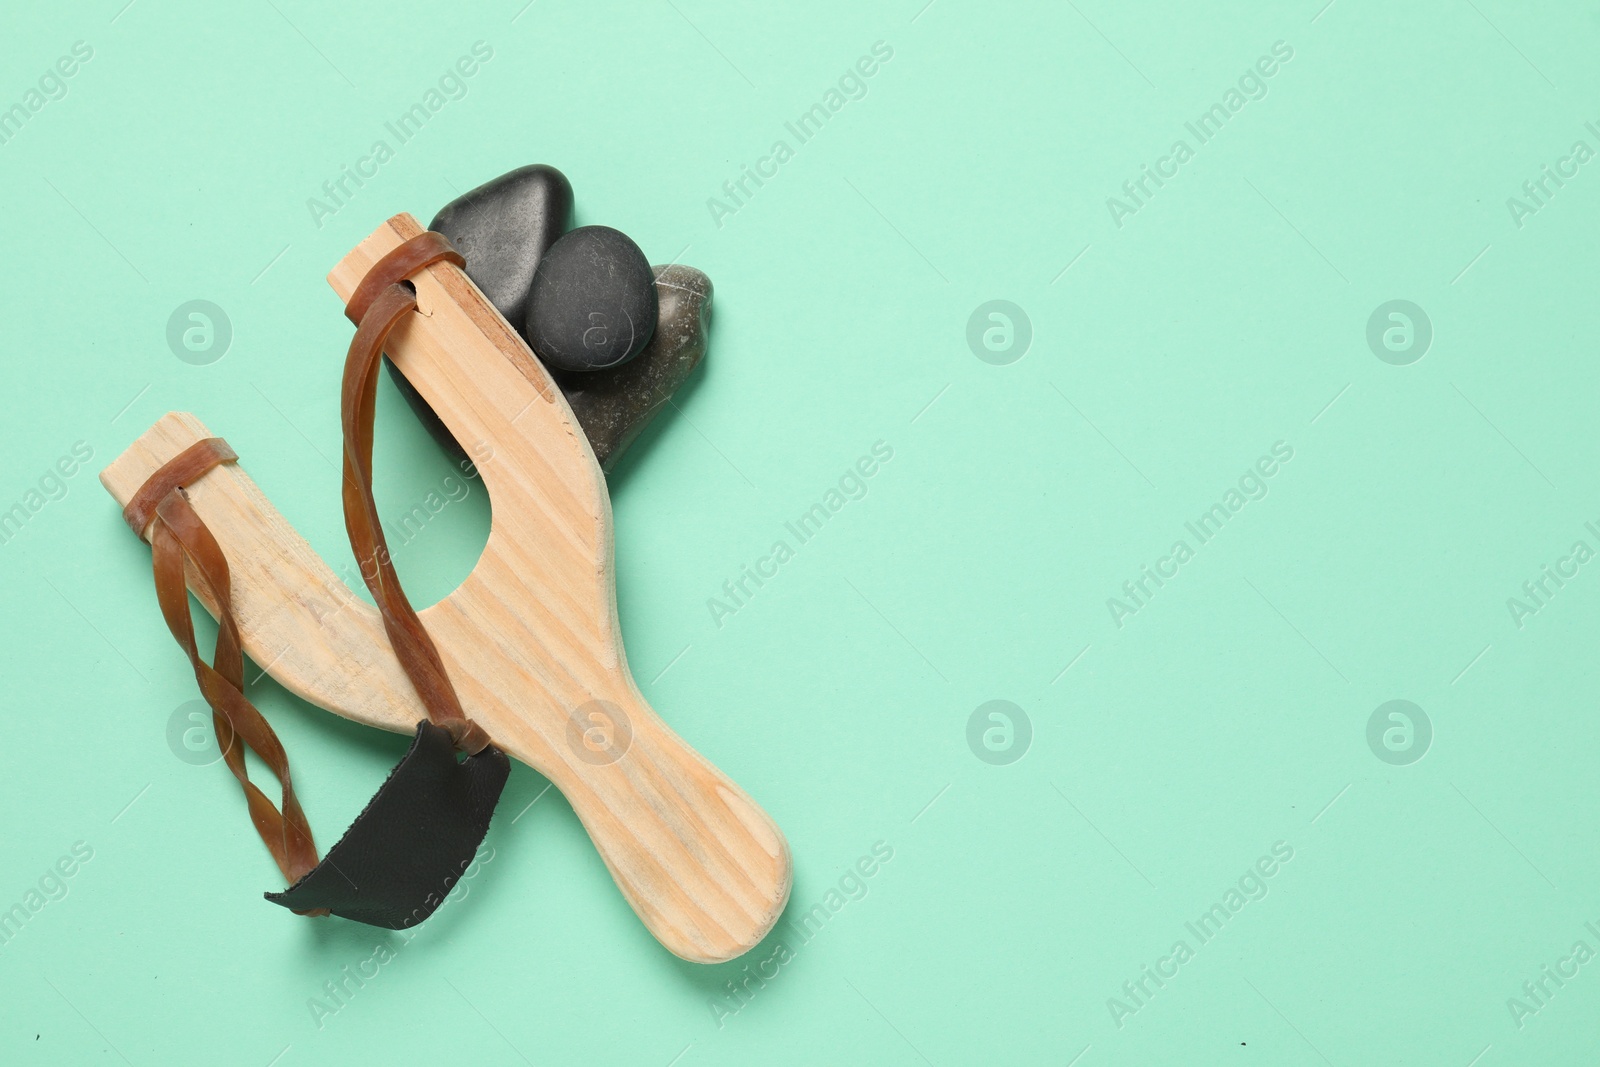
(531, 638)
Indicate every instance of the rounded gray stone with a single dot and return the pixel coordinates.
(593, 303)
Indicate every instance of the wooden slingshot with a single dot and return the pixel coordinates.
(530, 638)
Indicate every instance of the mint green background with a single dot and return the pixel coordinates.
(1229, 714)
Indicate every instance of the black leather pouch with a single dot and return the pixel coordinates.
(409, 847)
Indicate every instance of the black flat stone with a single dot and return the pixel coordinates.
(504, 228)
(593, 302)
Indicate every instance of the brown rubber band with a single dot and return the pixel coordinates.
(181, 469)
(379, 312)
(177, 534)
(400, 263)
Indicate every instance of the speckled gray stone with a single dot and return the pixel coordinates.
(614, 406)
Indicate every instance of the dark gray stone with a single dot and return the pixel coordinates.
(593, 303)
(504, 228)
(613, 406)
